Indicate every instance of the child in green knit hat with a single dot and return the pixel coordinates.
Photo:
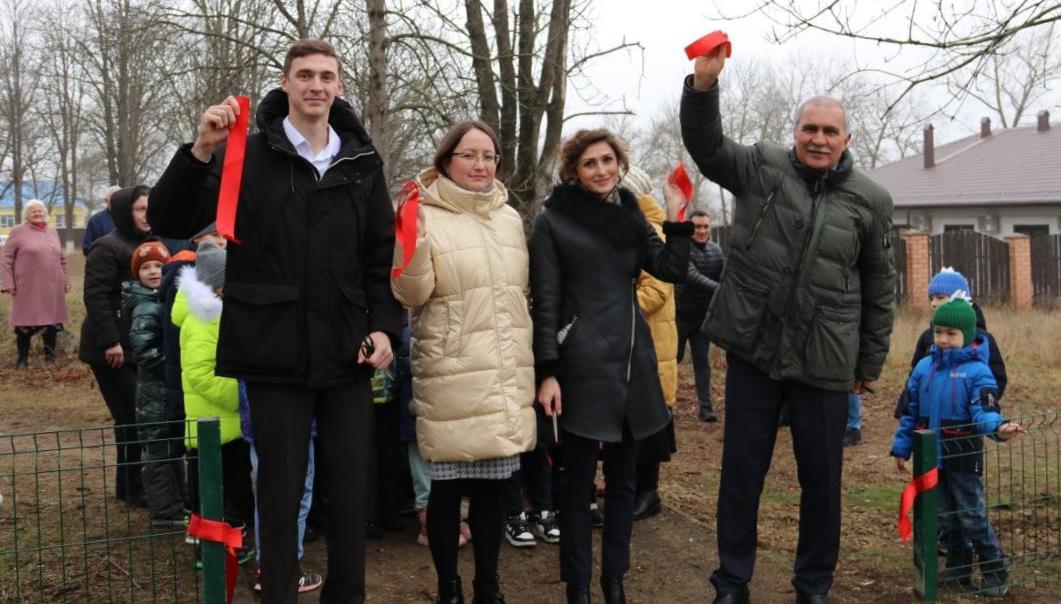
(953, 393)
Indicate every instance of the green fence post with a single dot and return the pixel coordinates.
(926, 536)
(210, 505)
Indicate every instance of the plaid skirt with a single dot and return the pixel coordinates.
(498, 468)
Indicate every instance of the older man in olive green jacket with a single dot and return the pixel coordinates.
(804, 311)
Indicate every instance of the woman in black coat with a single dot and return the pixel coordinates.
(105, 333)
(593, 350)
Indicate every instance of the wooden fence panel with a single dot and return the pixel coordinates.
(899, 248)
(983, 260)
(1046, 270)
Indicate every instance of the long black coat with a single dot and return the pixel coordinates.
(586, 255)
(311, 276)
(107, 265)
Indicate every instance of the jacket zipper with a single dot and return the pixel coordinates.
(759, 221)
(497, 331)
(633, 324)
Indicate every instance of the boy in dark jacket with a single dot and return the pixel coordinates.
(953, 392)
(161, 470)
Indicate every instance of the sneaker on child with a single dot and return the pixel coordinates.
(546, 526)
(517, 531)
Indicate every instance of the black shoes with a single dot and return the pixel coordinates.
(802, 598)
(707, 415)
(613, 591)
(646, 504)
(742, 596)
(488, 593)
(852, 436)
(449, 592)
(577, 594)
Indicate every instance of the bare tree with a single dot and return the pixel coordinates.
(125, 54)
(65, 84)
(522, 83)
(1014, 80)
(959, 37)
(17, 74)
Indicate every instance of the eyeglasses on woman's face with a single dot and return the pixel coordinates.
(471, 158)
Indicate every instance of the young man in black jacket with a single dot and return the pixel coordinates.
(692, 298)
(308, 309)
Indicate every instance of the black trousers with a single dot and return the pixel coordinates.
(484, 518)
(280, 419)
(576, 527)
(384, 466)
(818, 417)
(118, 387)
(236, 489)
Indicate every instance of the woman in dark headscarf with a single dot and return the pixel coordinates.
(105, 333)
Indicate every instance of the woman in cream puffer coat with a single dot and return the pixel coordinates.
(471, 349)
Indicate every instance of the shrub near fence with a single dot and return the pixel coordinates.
(983, 260)
(65, 537)
(1022, 488)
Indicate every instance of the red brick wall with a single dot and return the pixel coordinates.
(1020, 272)
(918, 269)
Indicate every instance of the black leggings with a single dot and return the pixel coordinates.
(484, 517)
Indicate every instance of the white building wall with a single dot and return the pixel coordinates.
(996, 221)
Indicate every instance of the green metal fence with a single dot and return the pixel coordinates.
(65, 536)
(1022, 501)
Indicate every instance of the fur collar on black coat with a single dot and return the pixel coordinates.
(623, 224)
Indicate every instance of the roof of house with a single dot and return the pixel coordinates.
(1018, 166)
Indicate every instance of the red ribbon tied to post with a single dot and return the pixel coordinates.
(918, 485)
(708, 43)
(405, 224)
(680, 178)
(232, 172)
(216, 531)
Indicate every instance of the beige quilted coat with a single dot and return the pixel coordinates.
(471, 354)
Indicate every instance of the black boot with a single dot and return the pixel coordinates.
(707, 414)
(449, 592)
(487, 592)
(577, 594)
(958, 572)
(22, 342)
(613, 590)
(49, 345)
(646, 504)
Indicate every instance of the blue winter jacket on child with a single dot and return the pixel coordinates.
(954, 393)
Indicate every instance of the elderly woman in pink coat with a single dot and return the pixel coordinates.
(33, 271)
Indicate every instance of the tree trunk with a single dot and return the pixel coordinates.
(378, 95)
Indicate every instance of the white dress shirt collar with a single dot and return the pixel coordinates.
(323, 160)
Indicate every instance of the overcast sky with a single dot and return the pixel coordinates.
(665, 27)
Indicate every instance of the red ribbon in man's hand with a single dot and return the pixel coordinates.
(918, 485)
(220, 532)
(405, 224)
(232, 172)
(680, 178)
(707, 44)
